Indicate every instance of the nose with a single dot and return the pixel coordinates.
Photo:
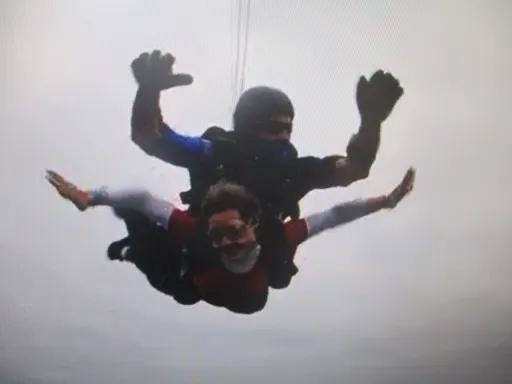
(225, 241)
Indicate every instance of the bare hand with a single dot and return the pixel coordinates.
(402, 190)
(68, 191)
(155, 71)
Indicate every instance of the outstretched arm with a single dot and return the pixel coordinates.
(151, 134)
(341, 171)
(376, 99)
(154, 73)
(159, 211)
(300, 230)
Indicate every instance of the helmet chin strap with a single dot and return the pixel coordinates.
(243, 261)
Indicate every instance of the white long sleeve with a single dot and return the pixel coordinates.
(154, 208)
(340, 214)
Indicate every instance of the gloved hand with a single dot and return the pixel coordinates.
(377, 97)
(154, 71)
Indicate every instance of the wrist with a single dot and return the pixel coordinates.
(379, 201)
(390, 201)
(370, 123)
(148, 90)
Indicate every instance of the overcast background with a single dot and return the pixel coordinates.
(417, 295)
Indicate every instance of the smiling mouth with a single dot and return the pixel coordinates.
(234, 253)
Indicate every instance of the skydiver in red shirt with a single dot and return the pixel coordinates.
(231, 252)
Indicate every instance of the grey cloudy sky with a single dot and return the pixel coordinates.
(417, 295)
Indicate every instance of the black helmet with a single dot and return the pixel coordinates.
(257, 105)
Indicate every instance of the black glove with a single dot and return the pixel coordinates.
(154, 71)
(377, 97)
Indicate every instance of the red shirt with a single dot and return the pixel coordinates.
(220, 281)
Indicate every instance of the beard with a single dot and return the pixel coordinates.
(236, 251)
(240, 258)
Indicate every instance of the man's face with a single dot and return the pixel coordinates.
(280, 127)
(230, 234)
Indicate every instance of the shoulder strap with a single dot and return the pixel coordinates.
(214, 132)
(276, 254)
(199, 253)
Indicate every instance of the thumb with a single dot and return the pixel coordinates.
(181, 79)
